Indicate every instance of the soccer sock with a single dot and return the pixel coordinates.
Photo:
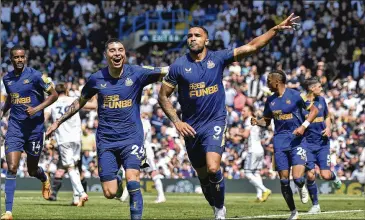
(313, 191)
(75, 180)
(41, 175)
(10, 184)
(56, 185)
(135, 200)
(300, 182)
(217, 188)
(333, 176)
(158, 186)
(205, 184)
(287, 194)
(76, 196)
(256, 181)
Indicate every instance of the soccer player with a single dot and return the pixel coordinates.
(318, 143)
(152, 169)
(25, 87)
(198, 76)
(286, 106)
(255, 157)
(119, 136)
(68, 137)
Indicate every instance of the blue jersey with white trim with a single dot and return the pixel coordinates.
(200, 88)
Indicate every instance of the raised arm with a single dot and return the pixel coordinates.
(261, 41)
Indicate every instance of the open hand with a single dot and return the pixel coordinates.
(185, 129)
(51, 129)
(288, 23)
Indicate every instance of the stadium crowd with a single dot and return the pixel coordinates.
(65, 41)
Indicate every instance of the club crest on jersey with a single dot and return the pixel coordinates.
(320, 106)
(188, 70)
(103, 86)
(272, 103)
(10, 82)
(288, 101)
(26, 81)
(128, 82)
(210, 64)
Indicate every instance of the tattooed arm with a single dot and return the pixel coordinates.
(73, 109)
(163, 99)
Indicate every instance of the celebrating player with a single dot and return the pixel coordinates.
(119, 136)
(68, 137)
(198, 75)
(25, 87)
(285, 107)
(318, 144)
(255, 157)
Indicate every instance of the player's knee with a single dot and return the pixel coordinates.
(249, 174)
(213, 169)
(32, 173)
(109, 194)
(311, 175)
(12, 169)
(326, 174)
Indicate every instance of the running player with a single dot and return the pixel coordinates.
(198, 76)
(119, 136)
(25, 87)
(286, 106)
(254, 160)
(318, 144)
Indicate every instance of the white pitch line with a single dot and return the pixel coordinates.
(300, 214)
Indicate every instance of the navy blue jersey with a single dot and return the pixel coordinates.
(286, 110)
(200, 88)
(27, 89)
(119, 104)
(314, 131)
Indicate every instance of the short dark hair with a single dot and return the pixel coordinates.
(201, 27)
(61, 88)
(310, 82)
(16, 47)
(112, 40)
(281, 74)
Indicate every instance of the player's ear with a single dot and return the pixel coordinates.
(206, 42)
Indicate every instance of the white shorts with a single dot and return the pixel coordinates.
(150, 156)
(69, 153)
(254, 161)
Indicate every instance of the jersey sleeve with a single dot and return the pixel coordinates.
(43, 81)
(227, 56)
(267, 110)
(89, 90)
(150, 74)
(172, 77)
(303, 102)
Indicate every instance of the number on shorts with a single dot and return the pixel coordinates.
(36, 146)
(217, 131)
(301, 152)
(135, 151)
(328, 160)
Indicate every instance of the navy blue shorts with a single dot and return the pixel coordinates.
(110, 159)
(32, 144)
(207, 139)
(319, 155)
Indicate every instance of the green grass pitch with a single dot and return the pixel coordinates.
(31, 205)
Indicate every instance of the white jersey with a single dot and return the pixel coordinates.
(254, 140)
(70, 130)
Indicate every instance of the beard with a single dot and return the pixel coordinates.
(196, 51)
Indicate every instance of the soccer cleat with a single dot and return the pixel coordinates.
(304, 195)
(52, 198)
(160, 200)
(316, 209)
(294, 215)
(220, 213)
(46, 188)
(7, 216)
(265, 195)
(337, 183)
(119, 193)
(83, 199)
